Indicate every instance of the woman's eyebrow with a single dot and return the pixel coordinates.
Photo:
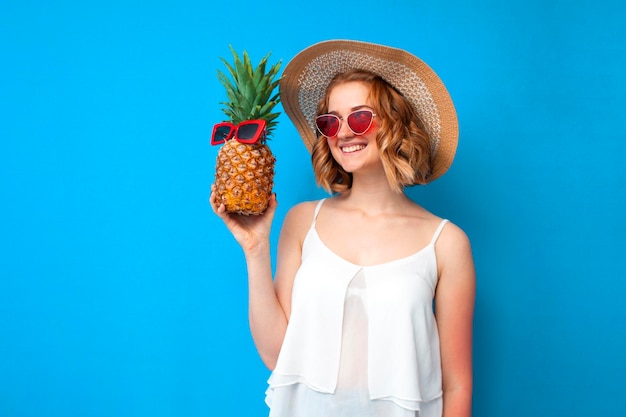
(361, 107)
(355, 108)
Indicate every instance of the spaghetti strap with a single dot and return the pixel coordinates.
(438, 231)
(317, 210)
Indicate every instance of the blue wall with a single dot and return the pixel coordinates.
(122, 295)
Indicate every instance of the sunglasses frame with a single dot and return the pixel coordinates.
(233, 132)
(347, 119)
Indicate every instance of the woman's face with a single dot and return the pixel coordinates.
(353, 152)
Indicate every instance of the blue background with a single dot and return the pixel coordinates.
(122, 295)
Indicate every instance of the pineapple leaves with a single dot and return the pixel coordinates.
(250, 89)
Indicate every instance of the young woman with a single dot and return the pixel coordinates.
(370, 311)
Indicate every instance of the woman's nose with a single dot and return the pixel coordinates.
(344, 130)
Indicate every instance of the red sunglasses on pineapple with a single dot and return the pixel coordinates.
(248, 131)
(358, 122)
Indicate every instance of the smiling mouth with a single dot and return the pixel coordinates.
(352, 148)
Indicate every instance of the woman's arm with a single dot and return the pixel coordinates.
(454, 308)
(269, 300)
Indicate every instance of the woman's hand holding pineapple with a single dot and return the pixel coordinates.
(251, 232)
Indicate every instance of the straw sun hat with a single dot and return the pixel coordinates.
(307, 75)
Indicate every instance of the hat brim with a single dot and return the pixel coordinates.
(305, 78)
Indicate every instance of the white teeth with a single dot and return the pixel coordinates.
(352, 148)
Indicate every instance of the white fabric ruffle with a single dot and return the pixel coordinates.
(299, 400)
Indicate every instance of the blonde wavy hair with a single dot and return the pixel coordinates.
(403, 144)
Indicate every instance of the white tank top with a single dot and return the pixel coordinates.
(366, 333)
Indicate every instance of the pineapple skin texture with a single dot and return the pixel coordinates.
(244, 177)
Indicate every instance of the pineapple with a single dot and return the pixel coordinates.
(244, 173)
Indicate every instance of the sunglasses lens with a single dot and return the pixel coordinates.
(247, 132)
(360, 121)
(250, 131)
(328, 125)
(221, 134)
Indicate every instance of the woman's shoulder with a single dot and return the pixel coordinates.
(304, 209)
(300, 216)
(450, 234)
(453, 241)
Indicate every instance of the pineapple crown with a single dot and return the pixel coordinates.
(250, 90)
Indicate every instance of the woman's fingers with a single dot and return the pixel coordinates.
(248, 231)
(271, 207)
(218, 209)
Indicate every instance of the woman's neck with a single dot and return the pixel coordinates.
(374, 194)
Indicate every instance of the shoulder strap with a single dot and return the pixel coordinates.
(317, 210)
(438, 231)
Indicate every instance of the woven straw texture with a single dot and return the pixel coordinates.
(305, 78)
